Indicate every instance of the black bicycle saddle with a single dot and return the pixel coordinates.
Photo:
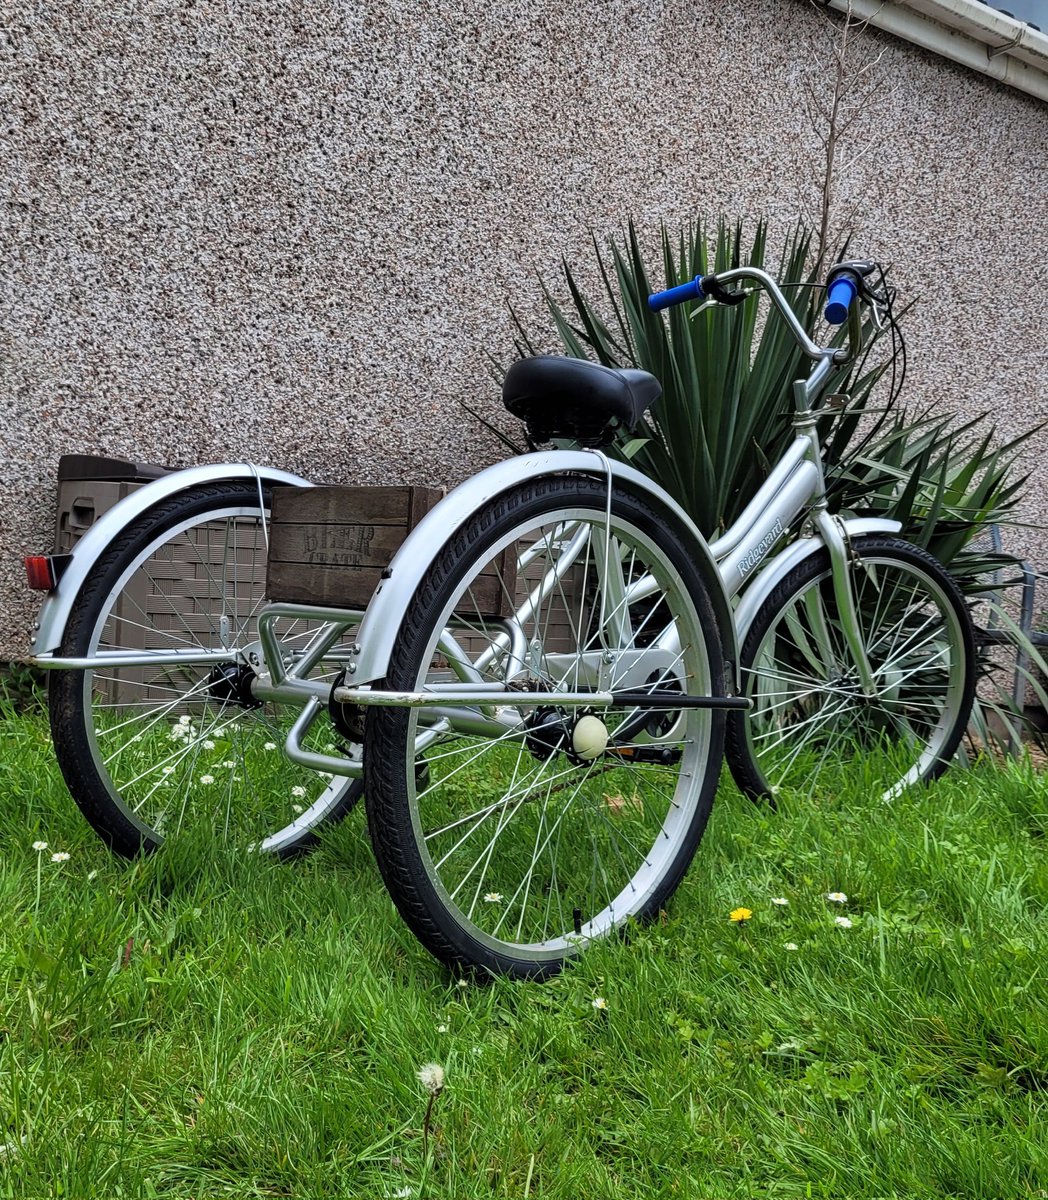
(574, 398)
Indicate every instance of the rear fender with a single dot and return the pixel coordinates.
(385, 613)
(59, 602)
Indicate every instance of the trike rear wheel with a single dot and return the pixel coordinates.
(512, 835)
(153, 751)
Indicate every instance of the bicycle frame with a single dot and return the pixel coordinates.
(796, 485)
(729, 565)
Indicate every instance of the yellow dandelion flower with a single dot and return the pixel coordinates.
(739, 914)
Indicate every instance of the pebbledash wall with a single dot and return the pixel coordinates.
(287, 232)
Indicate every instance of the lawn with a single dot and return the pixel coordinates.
(209, 1023)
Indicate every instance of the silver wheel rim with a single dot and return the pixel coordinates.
(180, 751)
(808, 706)
(498, 858)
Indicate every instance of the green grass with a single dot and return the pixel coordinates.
(207, 1023)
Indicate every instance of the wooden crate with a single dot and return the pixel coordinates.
(330, 545)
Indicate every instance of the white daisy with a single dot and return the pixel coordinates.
(207, 779)
(40, 845)
(60, 856)
(843, 922)
(837, 897)
(599, 1003)
(781, 901)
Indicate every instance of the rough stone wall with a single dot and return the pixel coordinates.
(287, 232)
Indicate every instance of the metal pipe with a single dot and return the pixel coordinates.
(448, 701)
(134, 658)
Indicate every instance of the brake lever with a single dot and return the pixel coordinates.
(718, 297)
(702, 308)
(721, 295)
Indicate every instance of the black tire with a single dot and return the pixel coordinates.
(148, 752)
(609, 837)
(810, 725)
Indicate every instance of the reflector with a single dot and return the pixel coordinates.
(40, 572)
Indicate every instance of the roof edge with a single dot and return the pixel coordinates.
(968, 32)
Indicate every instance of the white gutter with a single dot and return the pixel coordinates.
(968, 32)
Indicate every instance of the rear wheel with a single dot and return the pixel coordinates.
(811, 727)
(153, 751)
(513, 835)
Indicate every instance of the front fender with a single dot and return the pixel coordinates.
(770, 576)
(56, 607)
(388, 606)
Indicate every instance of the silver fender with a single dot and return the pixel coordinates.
(385, 613)
(774, 571)
(57, 605)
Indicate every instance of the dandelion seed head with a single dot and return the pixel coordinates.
(185, 719)
(209, 744)
(207, 779)
(431, 1076)
(790, 946)
(270, 746)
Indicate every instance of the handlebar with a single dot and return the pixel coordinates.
(845, 284)
(692, 290)
(839, 296)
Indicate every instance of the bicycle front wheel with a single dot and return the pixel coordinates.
(152, 751)
(812, 728)
(512, 835)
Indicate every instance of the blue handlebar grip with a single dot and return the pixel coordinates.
(692, 290)
(842, 292)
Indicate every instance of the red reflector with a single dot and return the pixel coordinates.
(40, 572)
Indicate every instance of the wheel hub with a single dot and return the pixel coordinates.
(230, 683)
(547, 732)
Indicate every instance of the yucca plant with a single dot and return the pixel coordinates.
(726, 405)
